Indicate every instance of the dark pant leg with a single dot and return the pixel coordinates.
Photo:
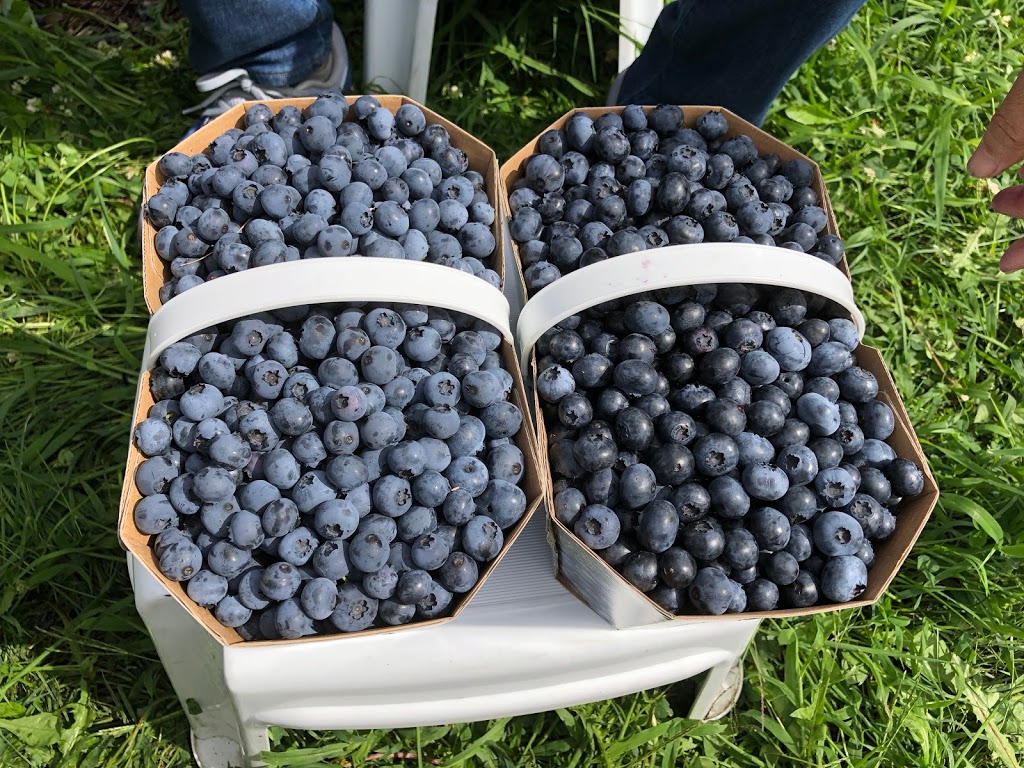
(734, 53)
(280, 42)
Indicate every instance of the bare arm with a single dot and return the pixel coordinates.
(1001, 147)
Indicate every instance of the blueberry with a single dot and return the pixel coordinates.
(355, 610)
(435, 603)
(801, 544)
(876, 420)
(704, 539)
(319, 598)
(701, 341)
(827, 451)
(597, 526)
(726, 416)
(867, 511)
(381, 583)
(267, 379)
(830, 358)
(231, 613)
(675, 427)
(672, 194)
(764, 481)
(641, 570)
(153, 436)
(829, 248)
(770, 527)
(394, 613)
(803, 592)
(245, 530)
(635, 377)
(905, 477)
(715, 454)
(207, 588)
(203, 401)
(212, 484)
(799, 463)
(658, 526)
(482, 538)
(692, 501)
(837, 534)
(762, 595)
(459, 573)
(753, 448)
(888, 525)
(844, 578)
(835, 486)
(710, 591)
(226, 560)
(502, 501)
(729, 500)
(820, 414)
(741, 550)
(569, 503)
(789, 347)
(296, 547)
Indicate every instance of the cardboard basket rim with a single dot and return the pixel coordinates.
(155, 270)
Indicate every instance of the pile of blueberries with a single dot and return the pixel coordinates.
(632, 181)
(719, 446)
(330, 468)
(305, 184)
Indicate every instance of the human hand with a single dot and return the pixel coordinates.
(1000, 147)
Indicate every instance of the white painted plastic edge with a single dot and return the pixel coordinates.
(679, 265)
(398, 41)
(322, 281)
(636, 20)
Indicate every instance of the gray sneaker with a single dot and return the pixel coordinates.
(233, 86)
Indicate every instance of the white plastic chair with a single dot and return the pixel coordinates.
(523, 645)
(399, 38)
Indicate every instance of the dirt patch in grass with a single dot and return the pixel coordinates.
(90, 16)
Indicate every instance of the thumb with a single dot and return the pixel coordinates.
(1003, 142)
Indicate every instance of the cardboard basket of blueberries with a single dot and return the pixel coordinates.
(718, 442)
(326, 445)
(295, 179)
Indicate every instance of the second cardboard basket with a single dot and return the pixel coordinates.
(319, 282)
(592, 579)
(156, 272)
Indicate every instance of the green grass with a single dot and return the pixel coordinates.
(930, 676)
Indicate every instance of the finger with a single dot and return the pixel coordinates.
(1003, 142)
(1013, 259)
(1009, 202)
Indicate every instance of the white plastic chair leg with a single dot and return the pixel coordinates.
(193, 660)
(636, 19)
(720, 689)
(398, 42)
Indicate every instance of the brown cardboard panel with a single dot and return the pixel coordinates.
(513, 168)
(138, 544)
(618, 602)
(155, 271)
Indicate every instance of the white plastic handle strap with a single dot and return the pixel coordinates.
(323, 281)
(679, 265)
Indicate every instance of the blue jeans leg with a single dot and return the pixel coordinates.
(280, 42)
(734, 53)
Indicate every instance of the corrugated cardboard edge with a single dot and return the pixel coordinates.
(156, 271)
(132, 540)
(512, 169)
(602, 588)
